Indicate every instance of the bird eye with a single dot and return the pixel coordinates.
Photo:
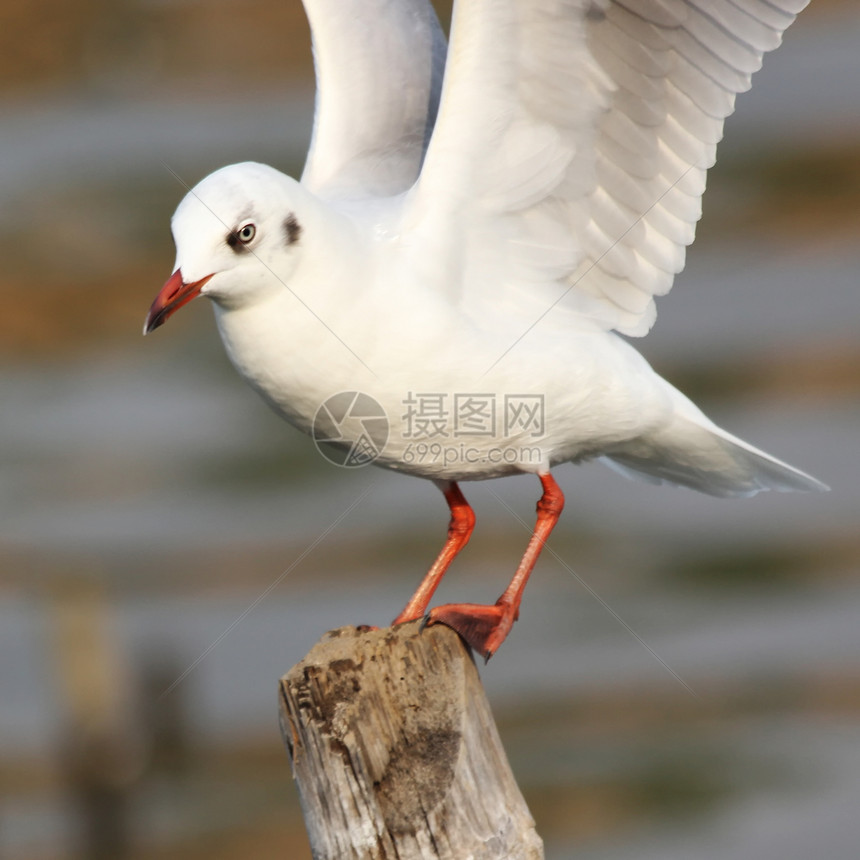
(241, 236)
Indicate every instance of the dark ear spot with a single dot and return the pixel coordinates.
(292, 229)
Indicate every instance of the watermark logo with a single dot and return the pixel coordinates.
(474, 414)
(433, 430)
(350, 429)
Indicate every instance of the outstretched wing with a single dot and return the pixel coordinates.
(572, 144)
(379, 67)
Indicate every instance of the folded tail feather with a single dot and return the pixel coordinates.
(693, 452)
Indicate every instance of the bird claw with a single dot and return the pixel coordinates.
(482, 628)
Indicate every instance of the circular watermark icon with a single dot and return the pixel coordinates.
(350, 429)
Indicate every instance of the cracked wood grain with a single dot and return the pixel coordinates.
(395, 752)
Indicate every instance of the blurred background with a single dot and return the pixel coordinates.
(169, 548)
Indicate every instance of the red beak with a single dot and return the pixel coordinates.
(173, 295)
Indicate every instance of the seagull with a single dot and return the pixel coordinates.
(480, 228)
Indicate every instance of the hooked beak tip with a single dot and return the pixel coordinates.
(172, 296)
(150, 324)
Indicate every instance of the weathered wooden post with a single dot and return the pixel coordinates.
(396, 754)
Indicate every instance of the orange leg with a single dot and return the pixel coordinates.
(486, 627)
(459, 531)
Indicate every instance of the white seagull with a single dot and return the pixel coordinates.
(473, 230)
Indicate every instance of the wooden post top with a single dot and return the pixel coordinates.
(395, 751)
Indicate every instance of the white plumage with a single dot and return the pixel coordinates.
(487, 231)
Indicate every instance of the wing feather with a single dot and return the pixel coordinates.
(379, 66)
(598, 117)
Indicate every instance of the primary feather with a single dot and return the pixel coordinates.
(585, 128)
(379, 71)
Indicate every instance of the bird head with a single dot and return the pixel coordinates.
(237, 235)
